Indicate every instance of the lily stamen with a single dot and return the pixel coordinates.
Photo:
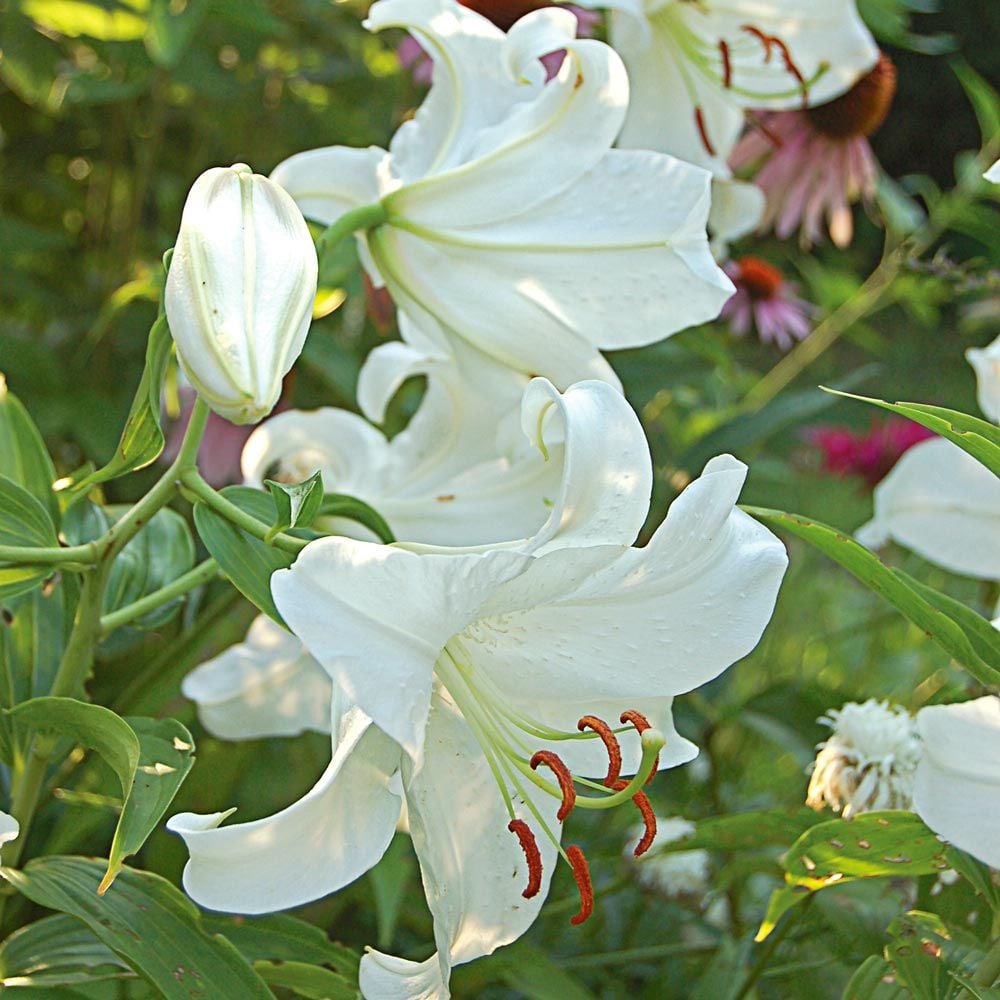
(532, 855)
(611, 744)
(555, 764)
(648, 818)
(642, 724)
(581, 872)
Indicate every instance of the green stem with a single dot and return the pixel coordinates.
(767, 951)
(989, 968)
(202, 573)
(364, 217)
(211, 498)
(84, 555)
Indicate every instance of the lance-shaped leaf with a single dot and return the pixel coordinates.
(247, 561)
(23, 456)
(341, 505)
(978, 437)
(142, 437)
(151, 758)
(24, 522)
(296, 505)
(148, 923)
(936, 619)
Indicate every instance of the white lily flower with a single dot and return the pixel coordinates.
(9, 828)
(957, 791)
(240, 290)
(452, 477)
(695, 67)
(986, 364)
(486, 657)
(993, 174)
(508, 221)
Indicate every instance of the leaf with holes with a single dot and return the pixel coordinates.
(885, 844)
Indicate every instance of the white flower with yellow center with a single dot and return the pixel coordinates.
(498, 689)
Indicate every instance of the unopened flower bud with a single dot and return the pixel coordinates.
(240, 290)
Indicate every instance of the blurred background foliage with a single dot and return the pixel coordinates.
(109, 109)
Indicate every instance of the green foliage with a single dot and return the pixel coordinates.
(247, 561)
(24, 522)
(296, 505)
(134, 919)
(23, 455)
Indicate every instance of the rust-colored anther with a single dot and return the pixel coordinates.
(581, 872)
(611, 744)
(531, 854)
(699, 120)
(727, 64)
(771, 42)
(641, 724)
(562, 773)
(764, 40)
(648, 818)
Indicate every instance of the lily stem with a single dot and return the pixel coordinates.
(362, 218)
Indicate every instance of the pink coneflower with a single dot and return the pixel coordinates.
(818, 161)
(765, 300)
(503, 13)
(869, 454)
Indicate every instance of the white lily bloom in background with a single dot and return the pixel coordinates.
(985, 362)
(957, 791)
(509, 220)
(695, 67)
(468, 662)
(939, 501)
(993, 174)
(240, 290)
(454, 476)
(9, 828)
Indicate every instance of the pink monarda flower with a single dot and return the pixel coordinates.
(503, 13)
(869, 454)
(819, 161)
(765, 300)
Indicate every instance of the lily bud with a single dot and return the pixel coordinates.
(240, 290)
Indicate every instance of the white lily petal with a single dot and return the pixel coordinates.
(267, 685)
(333, 834)
(679, 611)
(470, 92)
(607, 474)
(473, 868)
(664, 96)
(330, 181)
(9, 828)
(649, 248)
(541, 147)
(986, 363)
(356, 605)
(737, 208)
(940, 502)
(957, 790)
(348, 452)
(993, 174)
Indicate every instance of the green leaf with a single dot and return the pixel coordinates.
(746, 831)
(151, 758)
(247, 561)
(23, 519)
(166, 755)
(142, 438)
(158, 555)
(58, 951)
(295, 504)
(892, 586)
(23, 455)
(307, 980)
(341, 505)
(148, 923)
(874, 980)
(982, 96)
(171, 28)
(924, 953)
(976, 990)
(979, 438)
(279, 937)
(115, 23)
(884, 844)
(530, 971)
(977, 874)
